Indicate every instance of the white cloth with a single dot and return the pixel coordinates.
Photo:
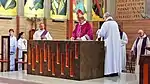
(22, 46)
(124, 41)
(13, 44)
(139, 45)
(13, 47)
(37, 35)
(110, 32)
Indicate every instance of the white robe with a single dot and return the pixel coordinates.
(124, 41)
(139, 45)
(22, 47)
(110, 32)
(37, 35)
(13, 47)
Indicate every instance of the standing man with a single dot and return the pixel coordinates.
(110, 32)
(83, 30)
(139, 47)
(13, 47)
(124, 41)
(42, 34)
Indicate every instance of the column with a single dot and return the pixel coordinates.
(111, 7)
(20, 8)
(89, 10)
(47, 6)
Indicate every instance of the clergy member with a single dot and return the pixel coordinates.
(138, 48)
(22, 46)
(124, 41)
(13, 47)
(110, 32)
(42, 34)
(83, 30)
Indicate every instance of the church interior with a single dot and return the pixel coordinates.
(61, 60)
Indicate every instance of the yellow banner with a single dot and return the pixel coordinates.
(34, 7)
(79, 4)
(98, 10)
(58, 9)
(8, 7)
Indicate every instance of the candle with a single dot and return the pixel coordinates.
(62, 64)
(41, 62)
(53, 64)
(58, 54)
(67, 57)
(76, 51)
(33, 61)
(49, 58)
(37, 54)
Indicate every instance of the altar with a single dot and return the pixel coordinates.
(76, 60)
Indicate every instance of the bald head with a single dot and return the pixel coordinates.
(140, 32)
(106, 15)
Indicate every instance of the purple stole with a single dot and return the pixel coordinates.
(43, 34)
(143, 46)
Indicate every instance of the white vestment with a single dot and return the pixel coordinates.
(13, 47)
(124, 41)
(37, 35)
(110, 32)
(22, 46)
(139, 46)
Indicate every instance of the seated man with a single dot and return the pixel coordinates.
(139, 46)
(42, 34)
(83, 30)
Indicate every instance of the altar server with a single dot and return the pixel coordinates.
(42, 34)
(22, 46)
(124, 41)
(13, 47)
(110, 32)
(83, 30)
(138, 48)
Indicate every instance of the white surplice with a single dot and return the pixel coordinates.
(139, 45)
(13, 47)
(124, 41)
(22, 46)
(37, 35)
(110, 32)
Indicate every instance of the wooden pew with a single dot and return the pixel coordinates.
(77, 60)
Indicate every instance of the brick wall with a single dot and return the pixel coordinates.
(5, 25)
(132, 27)
(57, 29)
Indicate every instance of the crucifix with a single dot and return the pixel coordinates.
(33, 29)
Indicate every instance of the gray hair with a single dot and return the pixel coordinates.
(107, 14)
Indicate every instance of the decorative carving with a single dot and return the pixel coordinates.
(130, 9)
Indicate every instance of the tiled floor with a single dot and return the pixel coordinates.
(23, 78)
